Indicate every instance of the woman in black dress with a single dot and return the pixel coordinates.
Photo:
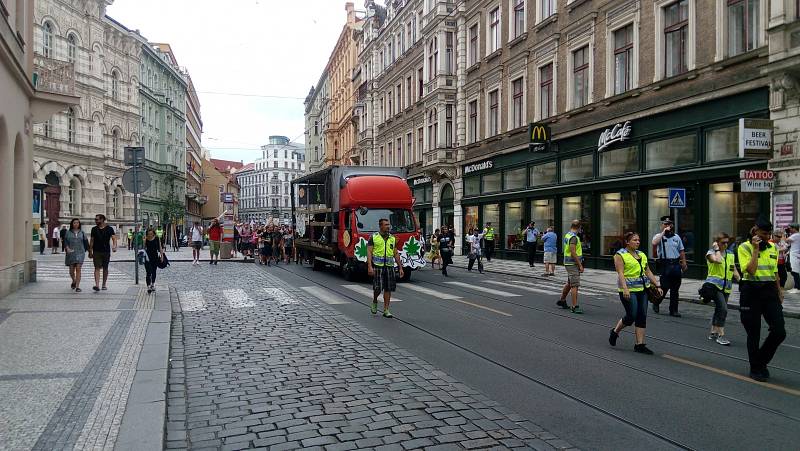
(154, 249)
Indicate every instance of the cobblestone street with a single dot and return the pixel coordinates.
(262, 364)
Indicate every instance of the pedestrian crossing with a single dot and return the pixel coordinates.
(484, 289)
(364, 291)
(58, 272)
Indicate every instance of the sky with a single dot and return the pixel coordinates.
(259, 48)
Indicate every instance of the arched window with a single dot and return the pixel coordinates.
(115, 144)
(114, 85)
(74, 197)
(71, 48)
(47, 40)
(71, 125)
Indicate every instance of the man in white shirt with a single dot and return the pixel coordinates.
(794, 255)
(197, 242)
(42, 239)
(56, 235)
(474, 241)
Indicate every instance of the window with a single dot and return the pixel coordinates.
(409, 88)
(518, 107)
(512, 227)
(473, 44)
(618, 217)
(420, 84)
(544, 174)
(409, 36)
(433, 58)
(473, 121)
(546, 9)
(514, 179)
(519, 18)
(47, 40)
(494, 30)
(71, 125)
(491, 183)
(494, 113)
(448, 125)
(420, 140)
(316, 128)
(491, 213)
(676, 29)
(731, 210)
(275, 153)
(472, 185)
(399, 93)
(623, 53)
(390, 111)
(577, 168)
(274, 164)
(115, 85)
(743, 26)
(433, 129)
(74, 197)
(545, 91)
(669, 153)
(399, 148)
(580, 208)
(71, 48)
(580, 77)
(543, 213)
(410, 147)
(449, 66)
(401, 220)
(658, 206)
(619, 161)
(722, 144)
(115, 144)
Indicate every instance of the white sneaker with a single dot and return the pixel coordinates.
(723, 341)
(793, 291)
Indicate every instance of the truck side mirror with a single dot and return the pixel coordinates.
(363, 210)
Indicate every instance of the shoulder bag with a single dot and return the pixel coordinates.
(653, 294)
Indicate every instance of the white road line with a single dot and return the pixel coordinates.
(324, 295)
(429, 292)
(280, 296)
(368, 292)
(532, 289)
(485, 290)
(499, 312)
(583, 290)
(238, 298)
(192, 301)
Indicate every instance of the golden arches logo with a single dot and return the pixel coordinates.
(538, 133)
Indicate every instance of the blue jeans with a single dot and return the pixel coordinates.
(635, 309)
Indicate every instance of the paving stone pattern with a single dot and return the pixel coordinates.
(288, 375)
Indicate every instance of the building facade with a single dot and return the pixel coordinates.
(316, 117)
(33, 89)
(219, 177)
(266, 186)
(77, 155)
(163, 98)
(194, 165)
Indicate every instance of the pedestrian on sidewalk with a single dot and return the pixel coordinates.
(277, 244)
(435, 254)
(197, 242)
(130, 239)
(668, 246)
(794, 255)
(550, 241)
(42, 239)
(446, 244)
(245, 237)
(382, 256)
(76, 247)
(573, 263)
(56, 236)
(62, 234)
(760, 295)
(474, 241)
(721, 272)
(237, 239)
(100, 247)
(531, 239)
(488, 239)
(779, 238)
(214, 238)
(265, 241)
(633, 276)
(154, 248)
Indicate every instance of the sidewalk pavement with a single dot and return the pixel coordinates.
(83, 370)
(606, 280)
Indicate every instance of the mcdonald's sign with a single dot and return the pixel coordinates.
(539, 135)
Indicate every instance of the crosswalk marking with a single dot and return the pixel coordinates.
(484, 289)
(192, 301)
(583, 290)
(526, 288)
(428, 291)
(238, 298)
(324, 295)
(55, 272)
(366, 291)
(280, 296)
(499, 312)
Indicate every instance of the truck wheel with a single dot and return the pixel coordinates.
(317, 265)
(348, 270)
(406, 275)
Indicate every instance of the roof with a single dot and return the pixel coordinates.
(227, 165)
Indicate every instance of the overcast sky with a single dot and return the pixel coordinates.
(253, 47)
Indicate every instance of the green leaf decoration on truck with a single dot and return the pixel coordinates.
(412, 255)
(361, 250)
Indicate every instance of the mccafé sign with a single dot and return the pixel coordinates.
(539, 135)
(618, 133)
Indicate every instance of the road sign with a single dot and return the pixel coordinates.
(226, 198)
(128, 181)
(677, 197)
(134, 155)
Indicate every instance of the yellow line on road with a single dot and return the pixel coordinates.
(482, 307)
(733, 375)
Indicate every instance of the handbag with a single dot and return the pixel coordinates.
(163, 263)
(85, 242)
(708, 292)
(654, 295)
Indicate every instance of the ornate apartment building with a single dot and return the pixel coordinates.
(317, 111)
(77, 154)
(194, 164)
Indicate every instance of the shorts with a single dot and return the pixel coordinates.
(573, 276)
(266, 251)
(550, 257)
(197, 245)
(214, 247)
(384, 279)
(101, 259)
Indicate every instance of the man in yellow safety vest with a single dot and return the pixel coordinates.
(488, 238)
(382, 255)
(573, 263)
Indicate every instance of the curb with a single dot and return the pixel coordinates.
(599, 287)
(142, 424)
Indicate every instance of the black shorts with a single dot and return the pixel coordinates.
(266, 251)
(384, 279)
(101, 259)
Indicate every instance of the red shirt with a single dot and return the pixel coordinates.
(215, 233)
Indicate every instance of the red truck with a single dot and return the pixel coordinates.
(338, 209)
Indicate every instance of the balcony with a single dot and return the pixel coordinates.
(441, 81)
(439, 157)
(54, 84)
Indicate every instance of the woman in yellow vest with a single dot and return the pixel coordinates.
(633, 276)
(721, 272)
(761, 294)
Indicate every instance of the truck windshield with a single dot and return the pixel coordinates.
(401, 220)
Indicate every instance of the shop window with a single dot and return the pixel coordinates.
(731, 211)
(470, 218)
(722, 143)
(512, 228)
(543, 213)
(491, 213)
(491, 183)
(472, 185)
(658, 206)
(514, 179)
(578, 207)
(669, 153)
(619, 161)
(578, 168)
(543, 174)
(428, 194)
(617, 217)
